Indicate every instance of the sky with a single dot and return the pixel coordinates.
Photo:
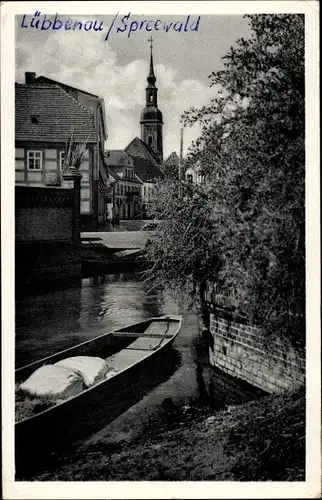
(117, 69)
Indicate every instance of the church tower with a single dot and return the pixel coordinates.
(151, 117)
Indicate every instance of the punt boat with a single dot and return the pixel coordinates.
(134, 353)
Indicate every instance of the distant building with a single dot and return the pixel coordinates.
(127, 203)
(149, 174)
(147, 152)
(47, 113)
(151, 117)
(194, 174)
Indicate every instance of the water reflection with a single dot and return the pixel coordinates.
(46, 323)
(49, 323)
(55, 321)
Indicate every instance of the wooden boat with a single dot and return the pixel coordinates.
(134, 352)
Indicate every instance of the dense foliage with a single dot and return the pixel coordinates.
(244, 227)
(170, 166)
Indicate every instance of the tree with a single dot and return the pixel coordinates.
(170, 166)
(244, 228)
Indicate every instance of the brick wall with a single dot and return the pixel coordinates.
(47, 238)
(240, 350)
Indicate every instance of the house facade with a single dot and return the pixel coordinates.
(194, 174)
(47, 115)
(149, 174)
(127, 202)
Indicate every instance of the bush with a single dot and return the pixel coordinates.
(244, 227)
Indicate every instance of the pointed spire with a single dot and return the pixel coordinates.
(151, 78)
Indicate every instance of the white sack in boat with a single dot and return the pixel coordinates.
(91, 368)
(54, 382)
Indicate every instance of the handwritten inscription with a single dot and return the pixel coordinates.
(126, 25)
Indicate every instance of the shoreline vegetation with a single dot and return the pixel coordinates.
(242, 229)
(262, 440)
(241, 226)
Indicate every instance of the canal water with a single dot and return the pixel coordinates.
(51, 322)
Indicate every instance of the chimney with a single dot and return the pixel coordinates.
(30, 77)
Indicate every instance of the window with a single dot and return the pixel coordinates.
(61, 160)
(189, 178)
(150, 140)
(34, 160)
(151, 98)
(34, 119)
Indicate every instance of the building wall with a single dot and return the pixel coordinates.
(86, 184)
(47, 237)
(240, 350)
(127, 194)
(153, 130)
(194, 174)
(126, 207)
(147, 193)
(51, 174)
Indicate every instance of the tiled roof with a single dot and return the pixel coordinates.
(146, 170)
(108, 169)
(118, 157)
(149, 153)
(150, 150)
(46, 113)
(112, 173)
(79, 95)
(45, 79)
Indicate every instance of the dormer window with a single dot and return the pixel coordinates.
(34, 119)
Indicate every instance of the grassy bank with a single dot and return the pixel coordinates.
(258, 441)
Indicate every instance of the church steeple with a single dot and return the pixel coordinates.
(151, 117)
(151, 91)
(151, 78)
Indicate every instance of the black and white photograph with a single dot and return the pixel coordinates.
(163, 220)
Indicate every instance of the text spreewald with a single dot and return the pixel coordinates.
(120, 25)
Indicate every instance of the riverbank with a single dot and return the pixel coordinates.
(257, 441)
(116, 240)
(119, 251)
